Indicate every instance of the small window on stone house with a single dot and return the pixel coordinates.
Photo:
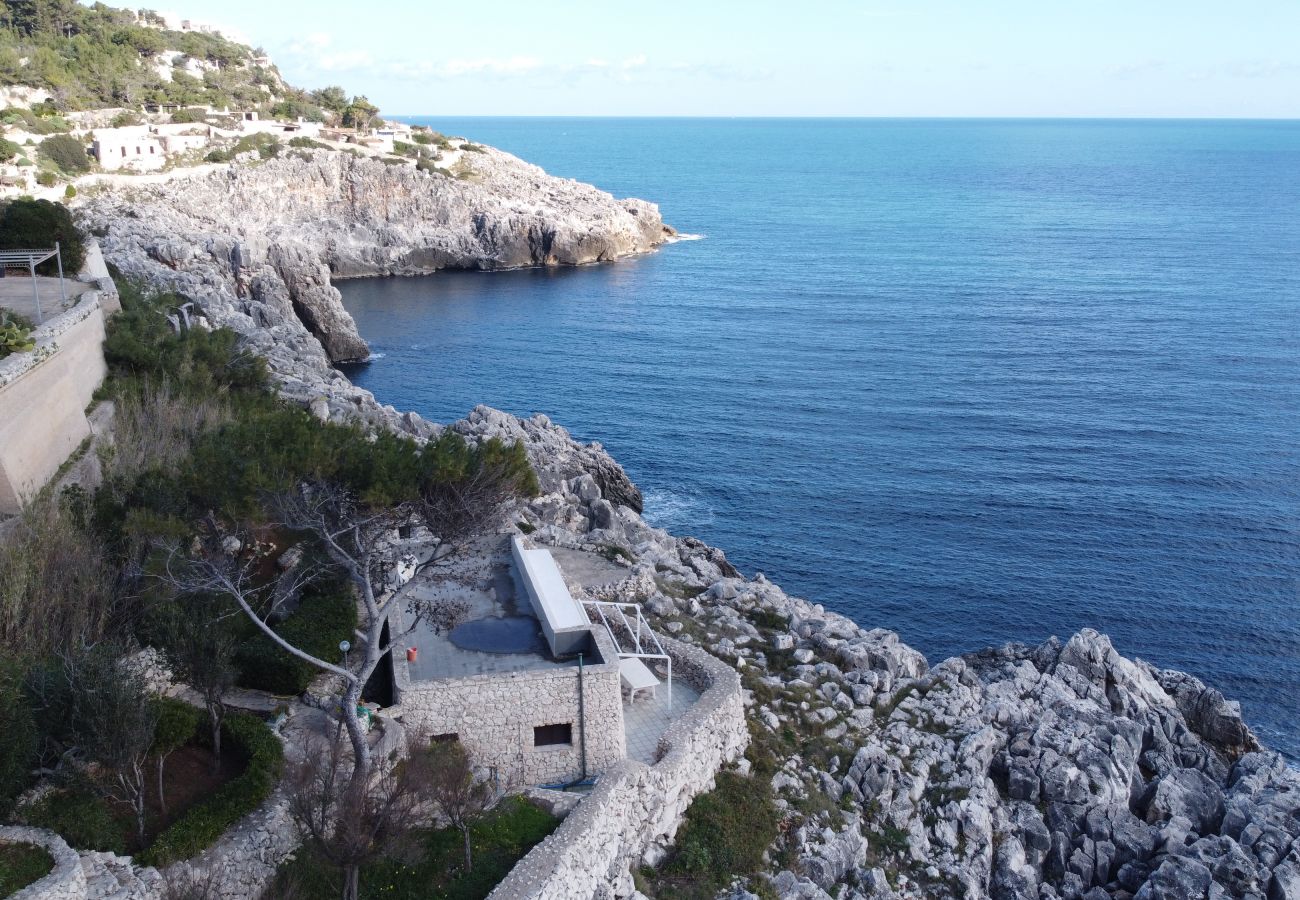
(404, 532)
(553, 735)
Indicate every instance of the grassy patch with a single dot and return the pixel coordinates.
(725, 835)
(437, 872)
(20, 865)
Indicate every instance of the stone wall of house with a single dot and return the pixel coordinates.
(66, 880)
(494, 715)
(634, 811)
(43, 398)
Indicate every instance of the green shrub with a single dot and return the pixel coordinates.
(70, 191)
(219, 156)
(8, 150)
(422, 137)
(189, 115)
(46, 179)
(39, 223)
(66, 152)
(80, 817)
(15, 333)
(125, 118)
(327, 615)
(18, 736)
(726, 831)
(303, 142)
(21, 865)
(207, 820)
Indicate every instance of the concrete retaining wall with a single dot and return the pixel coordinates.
(633, 813)
(43, 398)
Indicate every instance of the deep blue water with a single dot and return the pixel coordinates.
(972, 381)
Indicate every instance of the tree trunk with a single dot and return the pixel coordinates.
(162, 797)
(214, 713)
(139, 811)
(351, 882)
(360, 746)
(469, 857)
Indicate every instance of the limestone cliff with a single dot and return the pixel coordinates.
(266, 238)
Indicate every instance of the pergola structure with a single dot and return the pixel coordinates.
(29, 260)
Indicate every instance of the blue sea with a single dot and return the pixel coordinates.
(973, 381)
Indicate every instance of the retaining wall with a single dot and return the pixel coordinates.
(634, 811)
(43, 398)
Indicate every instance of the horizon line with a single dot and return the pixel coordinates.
(988, 118)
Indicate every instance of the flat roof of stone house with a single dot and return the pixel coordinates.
(500, 632)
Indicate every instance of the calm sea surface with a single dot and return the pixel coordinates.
(972, 381)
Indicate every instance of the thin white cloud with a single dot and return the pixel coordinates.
(1133, 69)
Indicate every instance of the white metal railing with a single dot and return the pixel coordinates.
(644, 643)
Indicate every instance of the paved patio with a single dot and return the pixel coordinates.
(16, 294)
(645, 721)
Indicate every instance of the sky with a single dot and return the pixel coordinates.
(1193, 58)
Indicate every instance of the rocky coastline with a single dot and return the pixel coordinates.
(1058, 771)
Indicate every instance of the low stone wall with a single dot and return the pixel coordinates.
(43, 398)
(66, 881)
(633, 813)
(494, 715)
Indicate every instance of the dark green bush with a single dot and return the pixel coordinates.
(17, 737)
(39, 223)
(8, 150)
(219, 156)
(303, 142)
(206, 821)
(189, 114)
(66, 152)
(726, 831)
(328, 615)
(46, 179)
(80, 817)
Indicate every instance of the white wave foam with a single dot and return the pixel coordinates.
(374, 356)
(686, 237)
(670, 509)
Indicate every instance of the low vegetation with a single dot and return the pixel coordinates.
(20, 865)
(203, 823)
(433, 866)
(15, 333)
(724, 836)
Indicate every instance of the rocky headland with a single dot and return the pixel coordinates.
(1058, 771)
(270, 235)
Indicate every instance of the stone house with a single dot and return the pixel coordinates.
(133, 147)
(535, 690)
